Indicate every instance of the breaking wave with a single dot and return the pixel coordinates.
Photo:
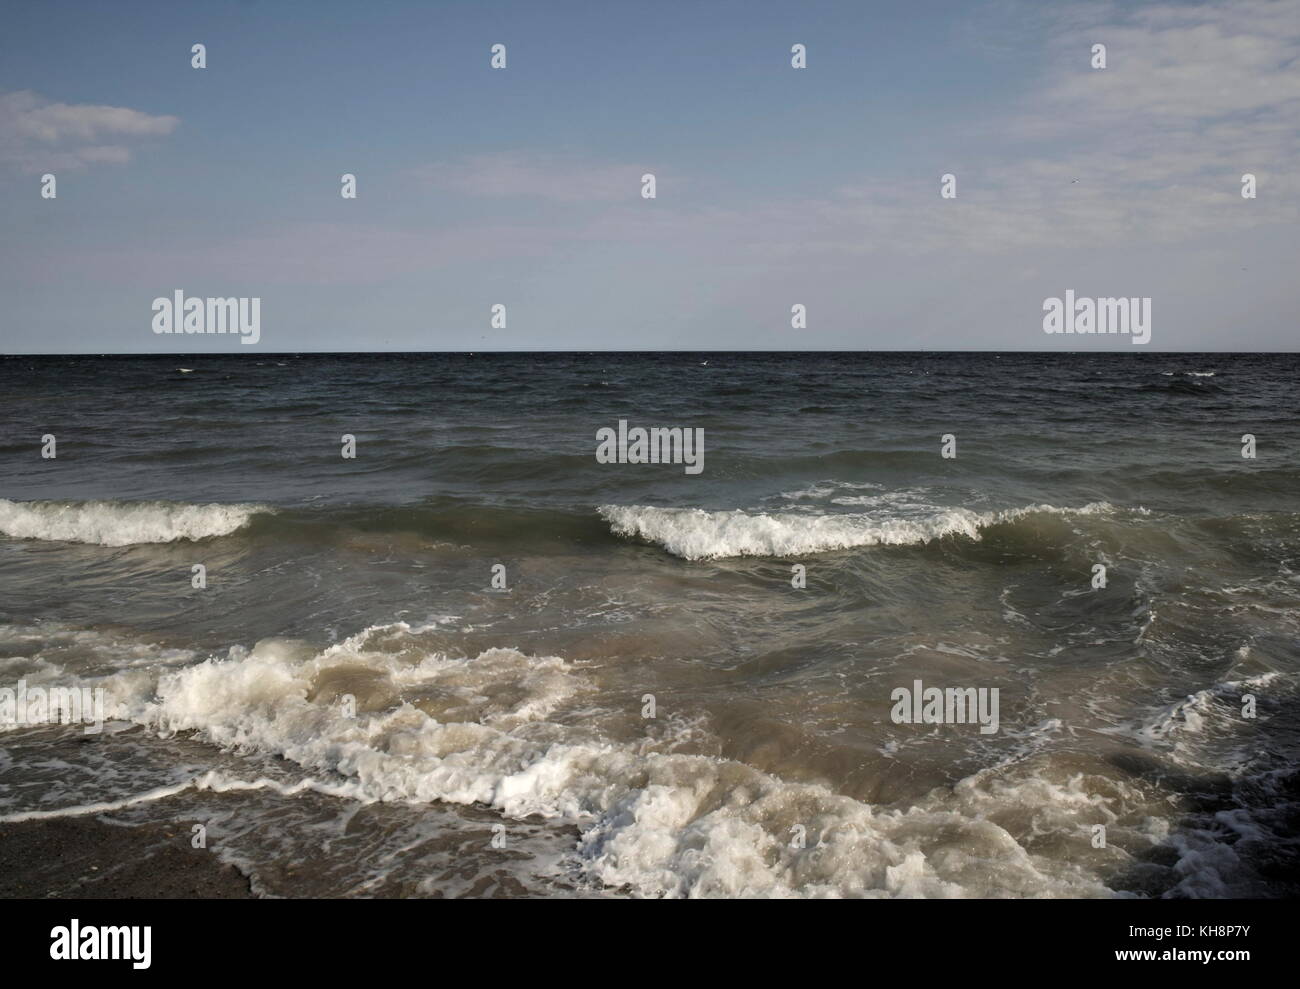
(492, 730)
(695, 534)
(120, 523)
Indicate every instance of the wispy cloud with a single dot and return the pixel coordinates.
(37, 134)
(1150, 149)
(1171, 65)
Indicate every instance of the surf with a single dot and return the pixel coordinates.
(696, 534)
(121, 523)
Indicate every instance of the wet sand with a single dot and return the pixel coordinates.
(88, 858)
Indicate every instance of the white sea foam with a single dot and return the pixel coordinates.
(695, 534)
(516, 733)
(491, 730)
(120, 523)
(824, 489)
(1214, 708)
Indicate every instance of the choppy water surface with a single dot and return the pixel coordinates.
(772, 765)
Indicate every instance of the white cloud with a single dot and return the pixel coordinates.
(37, 134)
(1155, 167)
(1150, 149)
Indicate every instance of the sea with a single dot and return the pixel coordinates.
(473, 660)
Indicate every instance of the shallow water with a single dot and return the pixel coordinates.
(772, 765)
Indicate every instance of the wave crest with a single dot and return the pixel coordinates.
(117, 523)
(696, 534)
(499, 730)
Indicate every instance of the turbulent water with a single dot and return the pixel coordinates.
(501, 743)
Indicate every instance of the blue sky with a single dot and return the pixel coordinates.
(521, 186)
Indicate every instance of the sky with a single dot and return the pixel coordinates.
(522, 186)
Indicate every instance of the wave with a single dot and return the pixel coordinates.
(662, 813)
(884, 518)
(121, 523)
(498, 730)
(696, 534)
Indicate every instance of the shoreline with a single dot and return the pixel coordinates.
(86, 858)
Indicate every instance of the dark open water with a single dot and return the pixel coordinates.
(772, 765)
